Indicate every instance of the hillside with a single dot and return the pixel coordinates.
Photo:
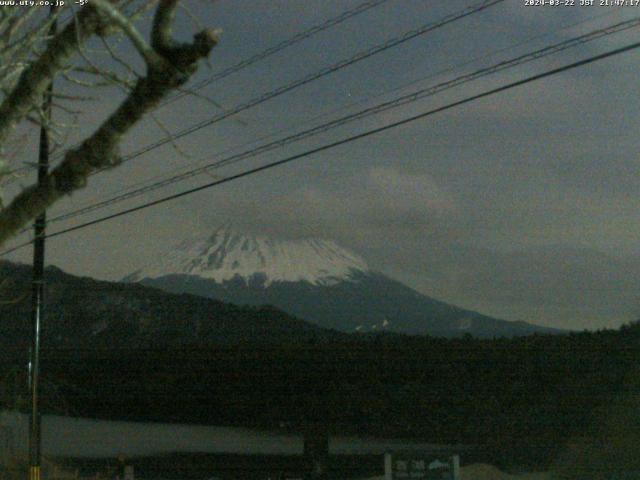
(87, 313)
(316, 280)
(520, 400)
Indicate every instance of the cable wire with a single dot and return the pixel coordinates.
(363, 7)
(362, 55)
(150, 181)
(343, 141)
(331, 22)
(376, 109)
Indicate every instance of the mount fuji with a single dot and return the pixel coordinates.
(315, 280)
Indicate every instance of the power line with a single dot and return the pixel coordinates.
(350, 139)
(385, 106)
(363, 7)
(362, 55)
(300, 36)
(152, 181)
(331, 22)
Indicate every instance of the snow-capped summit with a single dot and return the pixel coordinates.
(227, 254)
(314, 280)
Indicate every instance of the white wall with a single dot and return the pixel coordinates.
(66, 436)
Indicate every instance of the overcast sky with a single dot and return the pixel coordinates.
(522, 205)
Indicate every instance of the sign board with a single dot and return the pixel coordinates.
(421, 465)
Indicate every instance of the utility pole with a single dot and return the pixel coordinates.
(37, 288)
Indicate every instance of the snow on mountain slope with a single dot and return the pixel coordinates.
(227, 254)
(314, 280)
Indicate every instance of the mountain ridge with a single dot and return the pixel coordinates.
(88, 313)
(342, 294)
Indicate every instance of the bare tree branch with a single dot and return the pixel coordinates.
(34, 79)
(169, 68)
(149, 55)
